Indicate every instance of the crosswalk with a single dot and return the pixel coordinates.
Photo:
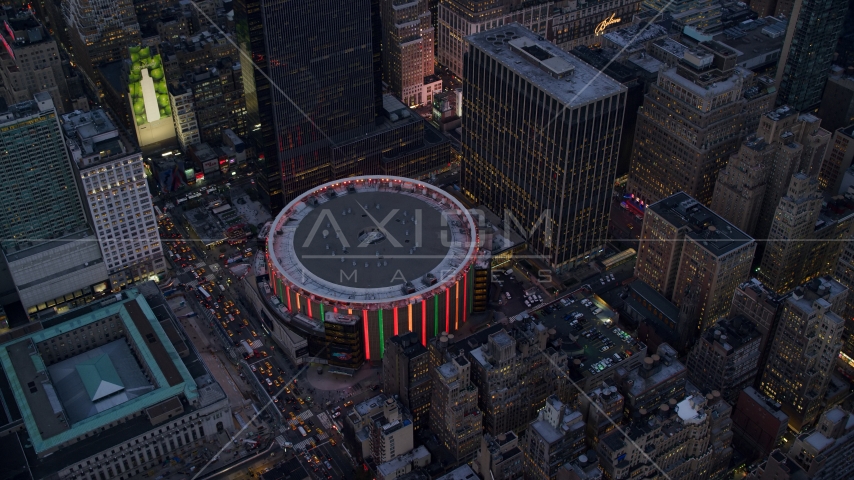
(303, 444)
(211, 277)
(304, 416)
(193, 283)
(201, 264)
(324, 420)
(322, 437)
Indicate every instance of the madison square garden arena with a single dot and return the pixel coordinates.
(357, 261)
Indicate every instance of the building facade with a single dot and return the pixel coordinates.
(408, 41)
(100, 33)
(694, 258)
(749, 189)
(454, 416)
(49, 246)
(806, 237)
(500, 457)
(112, 177)
(406, 373)
(838, 159)
(31, 62)
(837, 104)
(561, 190)
(804, 350)
(688, 439)
(814, 28)
(553, 439)
(726, 358)
(758, 424)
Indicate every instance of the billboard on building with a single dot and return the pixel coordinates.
(147, 86)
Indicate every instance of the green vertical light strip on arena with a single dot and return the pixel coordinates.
(322, 316)
(436, 316)
(382, 334)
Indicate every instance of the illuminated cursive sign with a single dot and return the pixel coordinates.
(600, 29)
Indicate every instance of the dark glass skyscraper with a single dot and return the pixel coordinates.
(320, 55)
(814, 29)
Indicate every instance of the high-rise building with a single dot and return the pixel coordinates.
(100, 32)
(726, 357)
(762, 307)
(838, 159)
(758, 425)
(804, 350)
(553, 439)
(184, 115)
(500, 457)
(314, 104)
(694, 258)
(806, 237)
(408, 39)
(30, 63)
(692, 121)
(112, 177)
(837, 104)
(454, 416)
(748, 190)
(814, 28)
(844, 274)
(823, 454)
(514, 373)
(687, 438)
(52, 254)
(390, 432)
(406, 374)
(557, 187)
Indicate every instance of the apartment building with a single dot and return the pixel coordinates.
(553, 439)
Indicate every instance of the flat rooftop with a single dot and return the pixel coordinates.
(560, 74)
(462, 473)
(704, 226)
(372, 239)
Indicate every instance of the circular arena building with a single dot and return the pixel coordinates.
(356, 261)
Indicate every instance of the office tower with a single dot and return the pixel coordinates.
(837, 104)
(408, 38)
(500, 457)
(106, 380)
(748, 190)
(693, 257)
(454, 416)
(762, 307)
(726, 357)
(514, 373)
(700, 14)
(218, 99)
(390, 431)
(553, 439)
(379, 428)
(30, 63)
(406, 374)
(542, 175)
(804, 349)
(315, 110)
(837, 160)
(656, 380)
(602, 409)
(814, 28)
(688, 437)
(758, 425)
(52, 254)
(184, 115)
(806, 237)
(112, 177)
(844, 274)
(823, 454)
(679, 149)
(800, 145)
(741, 185)
(100, 32)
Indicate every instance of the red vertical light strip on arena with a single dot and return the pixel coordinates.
(288, 291)
(447, 311)
(367, 336)
(457, 308)
(334, 309)
(424, 323)
(308, 306)
(395, 320)
(465, 296)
